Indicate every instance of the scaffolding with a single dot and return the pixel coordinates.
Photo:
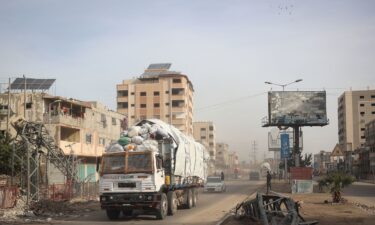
(35, 149)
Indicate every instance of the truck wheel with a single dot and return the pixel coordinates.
(195, 197)
(163, 210)
(172, 203)
(113, 214)
(189, 199)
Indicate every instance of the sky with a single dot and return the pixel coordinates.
(227, 48)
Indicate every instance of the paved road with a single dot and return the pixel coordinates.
(211, 208)
(360, 192)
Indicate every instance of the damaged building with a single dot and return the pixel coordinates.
(79, 128)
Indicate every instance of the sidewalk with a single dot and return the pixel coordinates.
(314, 208)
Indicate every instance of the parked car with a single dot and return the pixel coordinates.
(214, 184)
(254, 175)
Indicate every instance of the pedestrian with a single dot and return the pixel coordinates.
(269, 177)
(222, 175)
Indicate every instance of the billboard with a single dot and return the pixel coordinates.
(285, 147)
(274, 141)
(304, 108)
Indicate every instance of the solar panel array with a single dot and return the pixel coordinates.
(159, 66)
(32, 84)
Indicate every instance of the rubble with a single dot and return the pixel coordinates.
(271, 209)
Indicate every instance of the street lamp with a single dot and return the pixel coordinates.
(283, 85)
(49, 109)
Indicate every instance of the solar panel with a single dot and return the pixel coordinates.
(159, 66)
(32, 84)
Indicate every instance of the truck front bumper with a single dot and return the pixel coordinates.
(123, 201)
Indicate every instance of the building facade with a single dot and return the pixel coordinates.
(355, 110)
(79, 128)
(222, 156)
(158, 93)
(204, 132)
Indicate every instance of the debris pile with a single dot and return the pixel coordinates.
(13, 214)
(271, 209)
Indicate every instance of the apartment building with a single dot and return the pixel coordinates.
(158, 93)
(204, 132)
(222, 156)
(355, 110)
(79, 128)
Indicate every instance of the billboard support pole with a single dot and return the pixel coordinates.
(296, 152)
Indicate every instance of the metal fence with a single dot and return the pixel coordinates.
(67, 191)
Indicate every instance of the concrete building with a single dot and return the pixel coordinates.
(204, 132)
(158, 93)
(79, 128)
(222, 156)
(322, 162)
(355, 109)
(337, 158)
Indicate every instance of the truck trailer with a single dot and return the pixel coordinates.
(153, 169)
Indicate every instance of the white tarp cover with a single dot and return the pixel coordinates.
(191, 157)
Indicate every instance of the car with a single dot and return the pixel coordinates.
(214, 184)
(254, 175)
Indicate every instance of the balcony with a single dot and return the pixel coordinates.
(63, 119)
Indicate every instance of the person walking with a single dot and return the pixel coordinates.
(269, 177)
(222, 175)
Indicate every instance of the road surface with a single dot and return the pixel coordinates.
(211, 208)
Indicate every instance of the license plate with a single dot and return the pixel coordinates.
(126, 185)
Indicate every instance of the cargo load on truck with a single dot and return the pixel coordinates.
(153, 167)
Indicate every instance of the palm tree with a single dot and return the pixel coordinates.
(336, 181)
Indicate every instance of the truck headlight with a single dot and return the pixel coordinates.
(103, 198)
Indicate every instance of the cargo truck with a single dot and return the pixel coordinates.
(159, 174)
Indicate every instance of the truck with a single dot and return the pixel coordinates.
(154, 170)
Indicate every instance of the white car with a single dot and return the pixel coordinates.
(214, 184)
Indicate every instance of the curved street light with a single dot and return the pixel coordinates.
(283, 85)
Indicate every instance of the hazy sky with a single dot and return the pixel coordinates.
(227, 48)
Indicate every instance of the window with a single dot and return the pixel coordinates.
(203, 129)
(372, 104)
(167, 103)
(362, 105)
(361, 97)
(122, 93)
(211, 136)
(166, 115)
(143, 105)
(177, 80)
(29, 105)
(156, 93)
(122, 105)
(88, 138)
(167, 92)
(362, 129)
(114, 121)
(101, 141)
(143, 94)
(132, 105)
(156, 105)
(211, 128)
(178, 103)
(373, 112)
(372, 96)
(362, 113)
(132, 93)
(132, 117)
(203, 137)
(362, 137)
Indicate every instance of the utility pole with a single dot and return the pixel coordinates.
(24, 105)
(8, 113)
(254, 145)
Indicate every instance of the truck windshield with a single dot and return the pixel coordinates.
(213, 179)
(139, 162)
(113, 164)
(131, 162)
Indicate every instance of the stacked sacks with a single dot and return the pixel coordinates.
(141, 138)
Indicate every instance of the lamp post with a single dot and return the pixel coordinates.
(296, 128)
(283, 85)
(49, 109)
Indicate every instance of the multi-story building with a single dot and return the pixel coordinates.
(204, 132)
(355, 109)
(79, 128)
(337, 158)
(222, 156)
(322, 162)
(158, 93)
